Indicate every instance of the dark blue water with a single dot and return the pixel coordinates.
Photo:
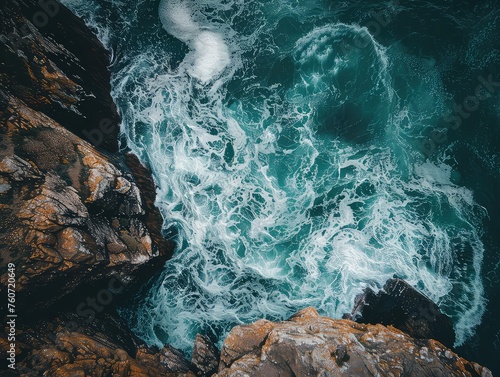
(306, 150)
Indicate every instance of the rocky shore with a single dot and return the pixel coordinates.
(78, 222)
(310, 345)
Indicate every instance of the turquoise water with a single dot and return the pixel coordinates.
(287, 140)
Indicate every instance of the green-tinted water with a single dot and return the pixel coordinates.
(299, 153)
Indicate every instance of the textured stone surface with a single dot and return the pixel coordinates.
(400, 305)
(55, 65)
(67, 345)
(67, 214)
(205, 358)
(77, 220)
(70, 214)
(310, 345)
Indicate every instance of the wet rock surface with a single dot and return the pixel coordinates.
(68, 345)
(70, 214)
(205, 358)
(77, 220)
(305, 345)
(400, 305)
(57, 66)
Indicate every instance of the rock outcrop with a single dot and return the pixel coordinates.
(310, 345)
(205, 357)
(67, 345)
(305, 345)
(53, 63)
(400, 305)
(70, 214)
(76, 219)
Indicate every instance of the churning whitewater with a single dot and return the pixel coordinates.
(288, 163)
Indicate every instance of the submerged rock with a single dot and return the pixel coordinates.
(310, 345)
(400, 305)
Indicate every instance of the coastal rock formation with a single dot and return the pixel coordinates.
(400, 305)
(205, 358)
(57, 66)
(70, 214)
(305, 345)
(310, 345)
(67, 345)
(79, 223)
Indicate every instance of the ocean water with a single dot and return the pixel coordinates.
(306, 150)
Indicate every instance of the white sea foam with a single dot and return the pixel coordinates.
(285, 218)
(177, 19)
(210, 54)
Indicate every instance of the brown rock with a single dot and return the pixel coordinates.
(70, 215)
(59, 69)
(310, 345)
(59, 217)
(244, 340)
(74, 217)
(68, 345)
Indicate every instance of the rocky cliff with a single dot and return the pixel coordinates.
(69, 345)
(78, 222)
(71, 213)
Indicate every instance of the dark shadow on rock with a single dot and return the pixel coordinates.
(400, 305)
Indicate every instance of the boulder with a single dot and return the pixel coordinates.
(400, 305)
(205, 357)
